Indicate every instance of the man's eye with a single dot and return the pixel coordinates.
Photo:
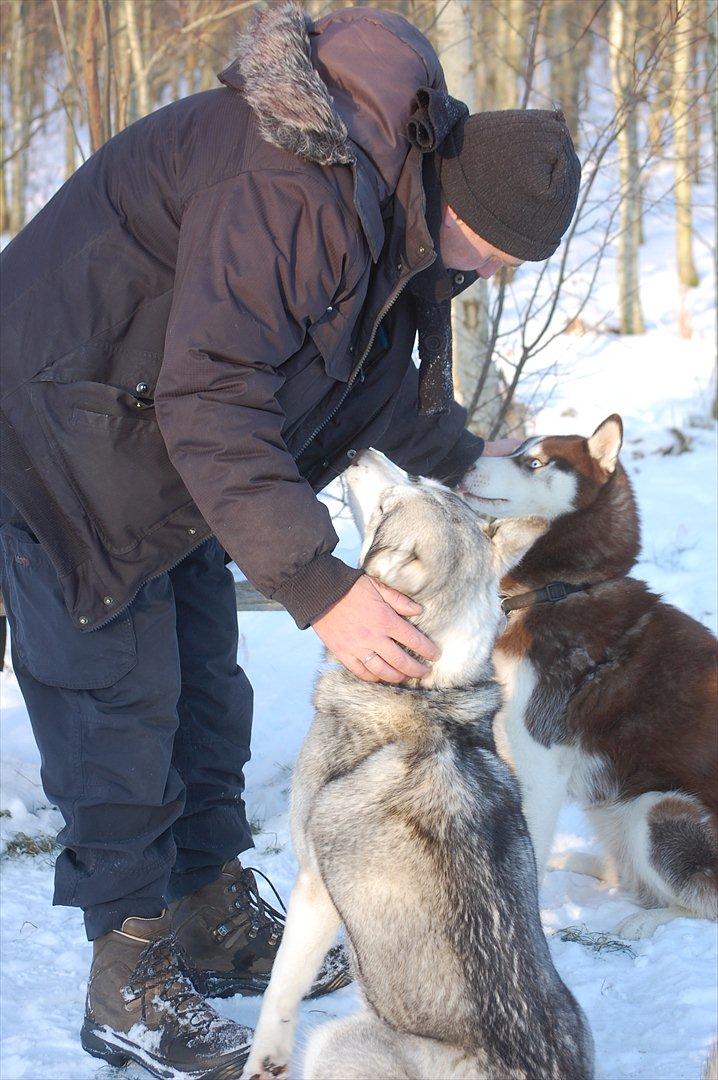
(535, 463)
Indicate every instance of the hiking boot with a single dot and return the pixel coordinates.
(232, 935)
(142, 1006)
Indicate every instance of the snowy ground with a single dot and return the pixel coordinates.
(652, 1010)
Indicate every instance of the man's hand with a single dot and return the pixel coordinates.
(498, 448)
(501, 447)
(366, 629)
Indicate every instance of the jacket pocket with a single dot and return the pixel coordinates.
(52, 649)
(332, 336)
(113, 453)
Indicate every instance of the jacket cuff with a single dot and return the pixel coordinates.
(315, 587)
(467, 449)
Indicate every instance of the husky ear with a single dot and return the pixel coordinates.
(401, 569)
(511, 538)
(604, 445)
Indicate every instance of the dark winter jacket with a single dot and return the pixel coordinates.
(210, 317)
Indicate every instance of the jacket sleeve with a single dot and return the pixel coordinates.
(242, 303)
(438, 446)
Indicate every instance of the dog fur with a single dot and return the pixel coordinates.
(408, 830)
(610, 694)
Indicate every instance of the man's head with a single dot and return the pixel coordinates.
(509, 182)
(463, 249)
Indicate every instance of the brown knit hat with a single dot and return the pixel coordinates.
(513, 177)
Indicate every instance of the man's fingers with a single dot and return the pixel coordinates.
(357, 668)
(402, 604)
(403, 631)
(366, 629)
(395, 656)
(384, 671)
(406, 634)
(501, 447)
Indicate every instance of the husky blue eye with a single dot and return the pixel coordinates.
(535, 464)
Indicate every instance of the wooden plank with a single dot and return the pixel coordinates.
(248, 599)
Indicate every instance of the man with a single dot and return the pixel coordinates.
(201, 330)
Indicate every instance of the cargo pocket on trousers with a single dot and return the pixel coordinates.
(52, 649)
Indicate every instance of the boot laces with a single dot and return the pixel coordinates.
(251, 905)
(163, 971)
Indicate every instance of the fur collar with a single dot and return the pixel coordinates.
(292, 103)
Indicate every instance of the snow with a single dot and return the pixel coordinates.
(652, 1010)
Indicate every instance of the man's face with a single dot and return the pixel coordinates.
(463, 249)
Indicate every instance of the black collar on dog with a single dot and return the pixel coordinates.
(549, 594)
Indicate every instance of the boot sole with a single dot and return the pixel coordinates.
(113, 1048)
(221, 985)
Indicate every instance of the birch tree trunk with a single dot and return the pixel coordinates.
(481, 17)
(190, 70)
(18, 117)
(73, 98)
(455, 37)
(111, 85)
(569, 52)
(512, 51)
(681, 113)
(137, 58)
(621, 47)
(89, 71)
(657, 117)
(70, 97)
(712, 49)
(208, 78)
(4, 207)
(123, 54)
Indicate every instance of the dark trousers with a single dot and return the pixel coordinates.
(143, 728)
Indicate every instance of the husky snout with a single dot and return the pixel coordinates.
(550, 476)
(369, 475)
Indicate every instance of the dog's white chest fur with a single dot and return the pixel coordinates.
(546, 775)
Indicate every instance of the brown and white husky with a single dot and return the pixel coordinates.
(610, 694)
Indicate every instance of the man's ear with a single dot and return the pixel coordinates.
(511, 538)
(604, 446)
(448, 217)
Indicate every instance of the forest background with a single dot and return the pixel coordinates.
(621, 318)
(636, 80)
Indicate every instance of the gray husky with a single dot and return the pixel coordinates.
(408, 829)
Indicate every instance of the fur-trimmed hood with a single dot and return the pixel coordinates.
(320, 90)
(363, 87)
(293, 105)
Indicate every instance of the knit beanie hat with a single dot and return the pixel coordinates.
(513, 177)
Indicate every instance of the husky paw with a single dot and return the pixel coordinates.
(265, 1070)
(643, 924)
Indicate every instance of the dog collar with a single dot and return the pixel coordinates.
(548, 594)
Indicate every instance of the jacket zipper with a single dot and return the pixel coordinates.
(359, 365)
(116, 614)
